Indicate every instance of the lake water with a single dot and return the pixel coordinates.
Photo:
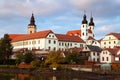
(4, 76)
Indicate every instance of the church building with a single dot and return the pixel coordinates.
(47, 39)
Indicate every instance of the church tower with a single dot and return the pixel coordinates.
(91, 27)
(32, 26)
(84, 28)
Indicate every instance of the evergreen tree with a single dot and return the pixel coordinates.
(5, 47)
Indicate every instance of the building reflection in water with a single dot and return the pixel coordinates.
(54, 78)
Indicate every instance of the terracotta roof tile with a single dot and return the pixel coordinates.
(76, 49)
(74, 32)
(117, 35)
(90, 38)
(12, 36)
(62, 37)
(113, 51)
(41, 34)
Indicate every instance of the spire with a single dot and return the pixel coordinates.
(91, 23)
(32, 20)
(84, 21)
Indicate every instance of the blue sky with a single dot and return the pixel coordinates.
(59, 15)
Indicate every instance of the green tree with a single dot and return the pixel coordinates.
(72, 58)
(6, 47)
(20, 58)
(54, 58)
(26, 57)
(29, 56)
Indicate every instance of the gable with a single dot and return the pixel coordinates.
(51, 35)
(109, 37)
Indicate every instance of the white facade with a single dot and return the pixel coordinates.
(94, 56)
(106, 57)
(117, 57)
(96, 43)
(84, 31)
(109, 41)
(51, 43)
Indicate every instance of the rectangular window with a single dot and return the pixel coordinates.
(39, 42)
(49, 41)
(107, 59)
(114, 42)
(71, 44)
(81, 45)
(54, 42)
(102, 58)
(59, 44)
(94, 53)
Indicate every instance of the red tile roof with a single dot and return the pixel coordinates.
(62, 37)
(117, 35)
(74, 32)
(76, 49)
(90, 38)
(113, 51)
(41, 34)
(12, 36)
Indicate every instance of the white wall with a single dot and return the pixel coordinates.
(106, 54)
(108, 41)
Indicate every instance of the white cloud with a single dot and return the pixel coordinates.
(41, 7)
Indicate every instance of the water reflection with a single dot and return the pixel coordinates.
(4, 76)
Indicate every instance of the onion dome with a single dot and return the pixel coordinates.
(84, 21)
(91, 22)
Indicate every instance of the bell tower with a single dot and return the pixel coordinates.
(32, 26)
(84, 28)
(91, 26)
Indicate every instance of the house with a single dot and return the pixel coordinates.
(111, 40)
(110, 55)
(92, 52)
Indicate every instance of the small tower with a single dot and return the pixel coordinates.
(32, 26)
(91, 27)
(84, 28)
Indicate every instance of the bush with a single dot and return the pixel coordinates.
(64, 69)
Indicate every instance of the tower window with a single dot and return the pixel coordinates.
(30, 31)
(90, 28)
(86, 34)
(83, 26)
(83, 33)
